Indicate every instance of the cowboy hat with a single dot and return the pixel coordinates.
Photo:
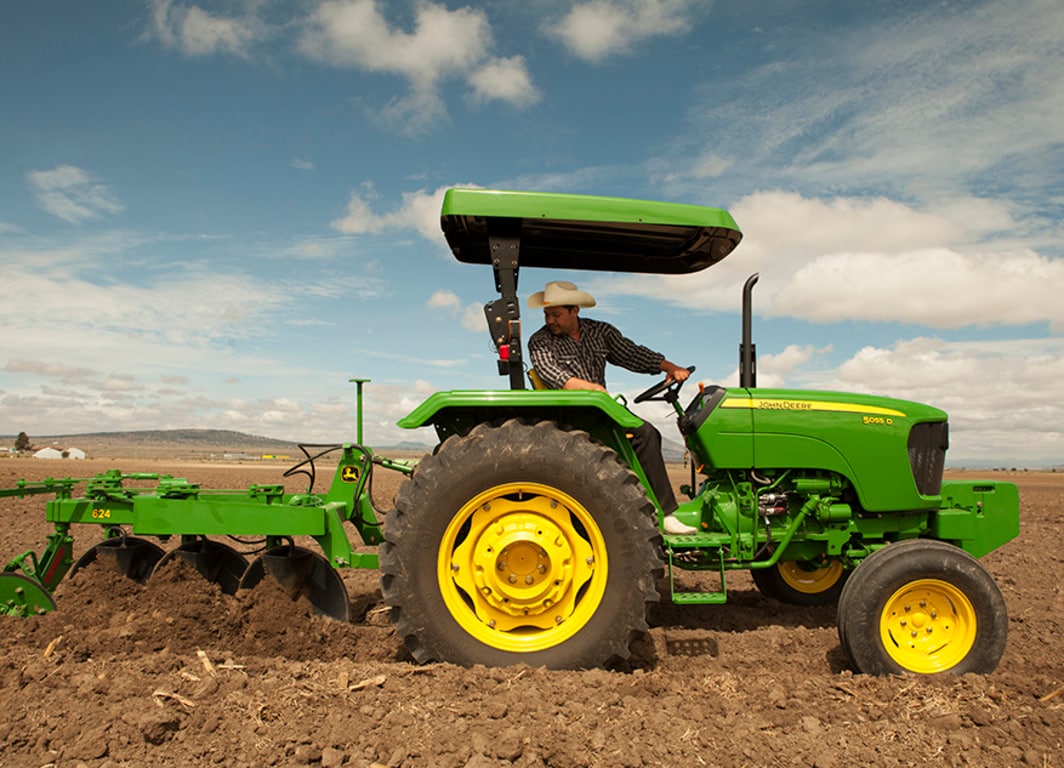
(560, 293)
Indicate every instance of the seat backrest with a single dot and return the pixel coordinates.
(535, 380)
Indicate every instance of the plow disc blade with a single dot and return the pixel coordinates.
(217, 563)
(301, 572)
(22, 596)
(135, 558)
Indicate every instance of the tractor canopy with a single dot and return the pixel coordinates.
(564, 231)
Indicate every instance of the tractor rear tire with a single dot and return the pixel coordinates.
(922, 606)
(521, 543)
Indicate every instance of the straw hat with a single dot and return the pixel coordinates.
(560, 293)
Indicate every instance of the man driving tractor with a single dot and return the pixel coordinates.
(571, 352)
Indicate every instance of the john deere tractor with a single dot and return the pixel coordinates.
(531, 535)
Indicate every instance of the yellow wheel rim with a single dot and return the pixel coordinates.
(809, 578)
(928, 626)
(522, 567)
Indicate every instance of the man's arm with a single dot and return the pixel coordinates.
(674, 372)
(575, 383)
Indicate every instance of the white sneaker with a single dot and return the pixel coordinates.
(672, 526)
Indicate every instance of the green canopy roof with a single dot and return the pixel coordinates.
(562, 231)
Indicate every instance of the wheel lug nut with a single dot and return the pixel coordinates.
(529, 579)
(512, 578)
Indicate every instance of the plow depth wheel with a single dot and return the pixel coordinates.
(800, 583)
(520, 544)
(22, 596)
(922, 606)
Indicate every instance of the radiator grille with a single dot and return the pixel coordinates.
(927, 455)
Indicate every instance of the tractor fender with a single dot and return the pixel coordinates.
(458, 411)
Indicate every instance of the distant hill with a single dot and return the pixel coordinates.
(187, 444)
(168, 443)
(186, 436)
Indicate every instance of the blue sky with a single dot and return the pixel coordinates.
(214, 214)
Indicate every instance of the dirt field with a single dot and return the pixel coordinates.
(178, 674)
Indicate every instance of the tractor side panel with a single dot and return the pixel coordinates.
(724, 439)
(978, 516)
(863, 438)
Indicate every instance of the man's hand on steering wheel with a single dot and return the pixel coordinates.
(669, 389)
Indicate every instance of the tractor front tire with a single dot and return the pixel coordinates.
(922, 606)
(521, 543)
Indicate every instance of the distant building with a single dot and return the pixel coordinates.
(55, 453)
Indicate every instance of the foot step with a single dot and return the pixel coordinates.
(691, 644)
(699, 598)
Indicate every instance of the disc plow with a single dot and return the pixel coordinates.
(234, 538)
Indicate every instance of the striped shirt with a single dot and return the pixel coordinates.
(558, 358)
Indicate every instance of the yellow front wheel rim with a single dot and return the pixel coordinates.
(808, 578)
(928, 626)
(522, 567)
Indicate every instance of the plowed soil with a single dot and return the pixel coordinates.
(176, 673)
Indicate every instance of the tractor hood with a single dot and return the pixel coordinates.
(561, 231)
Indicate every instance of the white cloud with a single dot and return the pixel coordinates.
(470, 315)
(419, 210)
(1003, 398)
(360, 218)
(445, 300)
(940, 288)
(506, 80)
(196, 32)
(354, 33)
(850, 259)
(926, 102)
(710, 166)
(71, 194)
(598, 29)
(473, 318)
(61, 371)
(444, 44)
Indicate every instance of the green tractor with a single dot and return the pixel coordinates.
(531, 535)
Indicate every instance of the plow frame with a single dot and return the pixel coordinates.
(164, 506)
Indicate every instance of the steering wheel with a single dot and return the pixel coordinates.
(671, 388)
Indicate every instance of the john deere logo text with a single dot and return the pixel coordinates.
(773, 404)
